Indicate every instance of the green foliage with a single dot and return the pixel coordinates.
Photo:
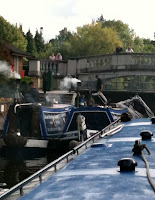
(138, 45)
(18, 38)
(12, 34)
(63, 36)
(26, 79)
(60, 44)
(126, 34)
(31, 47)
(92, 40)
(39, 42)
(149, 46)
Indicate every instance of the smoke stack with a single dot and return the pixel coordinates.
(79, 86)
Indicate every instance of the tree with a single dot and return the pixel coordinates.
(148, 46)
(138, 45)
(125, 34)
(12, 34)
(31, 48)
(5, 54)
(61, 42)
(39, 42)
(63, 36)
(18, 39)
(93, 40)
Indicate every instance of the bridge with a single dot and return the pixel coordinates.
(120, 72)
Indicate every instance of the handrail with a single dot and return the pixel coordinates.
(18, 105)
(101, 133)
(24, 104)
(39, 173)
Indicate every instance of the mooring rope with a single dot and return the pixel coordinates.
(148, 172)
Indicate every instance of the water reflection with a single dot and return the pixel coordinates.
(14, 172)
(16, 165)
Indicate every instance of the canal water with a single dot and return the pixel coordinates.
(17, 165)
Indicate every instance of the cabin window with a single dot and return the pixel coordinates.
(55, 122)
(94, 120)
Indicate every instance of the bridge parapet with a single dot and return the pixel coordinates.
(124, 72)
(38, 67)
(144, 59)
(110, 62)
(56, 67)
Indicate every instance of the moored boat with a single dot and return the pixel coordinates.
(118, 164)
(55, 126)
(33, 125)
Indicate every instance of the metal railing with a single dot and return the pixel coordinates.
(100, 134)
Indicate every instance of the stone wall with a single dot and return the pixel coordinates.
(72, 67)
(34, 68)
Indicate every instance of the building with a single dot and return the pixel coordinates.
(13, 56)
(14, 59)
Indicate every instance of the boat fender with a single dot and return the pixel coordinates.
(138, 148)
(127, 164)
(14, 140)
(73, 144)
(125, 117)
(153, 120)
(146, 135)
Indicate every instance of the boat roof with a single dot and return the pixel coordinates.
(95, 174)
(57, 106)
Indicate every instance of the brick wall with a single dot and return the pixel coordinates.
(5, 55)
(20, 66)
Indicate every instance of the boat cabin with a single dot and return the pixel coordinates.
(58, 122)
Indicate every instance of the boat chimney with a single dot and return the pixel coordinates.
(146, 135)
(127, 164)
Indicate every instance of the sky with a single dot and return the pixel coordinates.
(54, 15)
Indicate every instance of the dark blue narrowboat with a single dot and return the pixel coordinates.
(34, 125)
(39, 126)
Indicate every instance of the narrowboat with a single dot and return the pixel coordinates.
(117, 162)
(36, 126)
(54, 126)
